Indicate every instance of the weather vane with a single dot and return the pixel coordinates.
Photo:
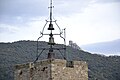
(51, 43)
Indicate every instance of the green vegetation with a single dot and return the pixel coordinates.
(100, 67)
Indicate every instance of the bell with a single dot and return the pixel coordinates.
(51, 41)
(51, 55)
(50, 27)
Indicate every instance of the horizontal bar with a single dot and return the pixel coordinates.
(49, 34)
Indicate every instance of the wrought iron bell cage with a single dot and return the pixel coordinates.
(51, 42)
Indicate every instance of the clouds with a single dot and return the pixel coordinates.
(19, 12)
(97, 23)
(100, 22)
(7, 29)
(71, 7)
(107, 1)
(23, 7)
(89, 20)
(10, 10)
(39, 7)
(8, 32)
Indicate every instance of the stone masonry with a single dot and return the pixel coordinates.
(52, 69)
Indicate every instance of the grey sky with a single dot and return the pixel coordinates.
(23, 19)
(23, 7)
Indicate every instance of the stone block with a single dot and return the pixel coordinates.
(52, 69)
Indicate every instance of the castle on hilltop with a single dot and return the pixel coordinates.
(74, 45)
(52, 68)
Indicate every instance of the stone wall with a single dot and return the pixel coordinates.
(55, 69)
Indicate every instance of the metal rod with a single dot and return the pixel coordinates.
(65, 43)
(37, 44)
(62, 55)
(39, 55)
(58, 27)
(44, 27)
(49, 34)
(51, 11)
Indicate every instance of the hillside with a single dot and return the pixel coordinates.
(100, 67)
(106, 48)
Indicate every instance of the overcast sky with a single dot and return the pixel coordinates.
(86, 21)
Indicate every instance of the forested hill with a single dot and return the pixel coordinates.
(100, 67)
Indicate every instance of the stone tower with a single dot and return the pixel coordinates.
(51, 68)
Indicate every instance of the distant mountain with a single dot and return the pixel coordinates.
(106, 48)
(100, 67)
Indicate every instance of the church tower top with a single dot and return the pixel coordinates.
(51, 41)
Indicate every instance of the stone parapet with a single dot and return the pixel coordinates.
(52, 69)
